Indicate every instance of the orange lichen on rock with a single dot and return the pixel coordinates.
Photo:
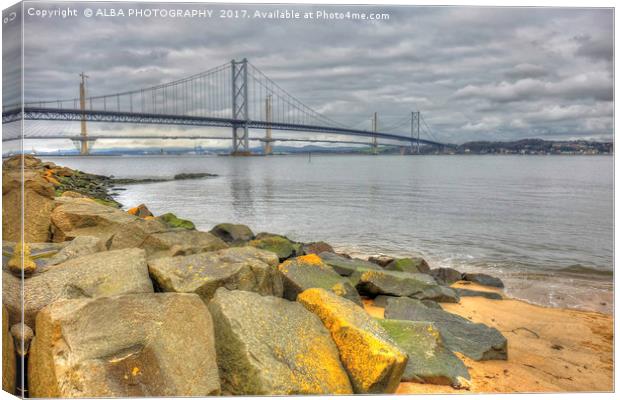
(374, 362)
(49, 176)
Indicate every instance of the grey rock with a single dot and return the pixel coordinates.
(484, 279)
(301, 273)
(347, 266)
(430, 361)
(413, 265)
(381, 260)
(478, 293)
(382, 301)
(373, 283)
(474, 340)
(181, 243)
(446, 276)
(140, 345)
(242, 268)
(233, 233)
(271, 346)
(317, 248)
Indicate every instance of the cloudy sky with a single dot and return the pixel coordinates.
(474, 73)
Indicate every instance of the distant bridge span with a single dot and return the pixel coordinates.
(235, 95)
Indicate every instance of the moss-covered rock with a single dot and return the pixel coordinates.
(474, 340)
(373, 360)
(309, 271)
(175, 222)
(430, 361)
(411, 265)
(278, 244)
(271, 346)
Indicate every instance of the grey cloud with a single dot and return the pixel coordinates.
(474, 72)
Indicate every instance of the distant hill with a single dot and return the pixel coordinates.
(536, 146)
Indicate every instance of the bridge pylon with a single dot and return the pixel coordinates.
(268, 147)
(241, 136)
(83, 132)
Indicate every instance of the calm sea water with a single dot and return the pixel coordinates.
(543, 224)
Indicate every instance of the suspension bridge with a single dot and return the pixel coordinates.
(235, 95)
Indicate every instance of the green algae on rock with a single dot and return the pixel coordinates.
(430, 361)
(271, 346)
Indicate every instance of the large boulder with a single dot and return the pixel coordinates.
(180, 242)
(373, 360)
(414, 265)
(38, 202)
(233, 233)
(484, 279)
(446, 276)
(242, 268)
(278, 244)
(271, 346)
(474, 340)
(430, 361)
(9, 365)
(84, 217)
(142, 345)
(305, 272)
(347, 266)
(393, 283)
(107, 273)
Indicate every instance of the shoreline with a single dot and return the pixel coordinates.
(520, 347)
(549, 349)
(506, 278)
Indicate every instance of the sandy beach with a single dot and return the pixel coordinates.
(549, 349)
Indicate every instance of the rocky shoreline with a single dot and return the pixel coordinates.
(125, 303)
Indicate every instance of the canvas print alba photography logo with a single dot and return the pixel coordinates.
(204, 199)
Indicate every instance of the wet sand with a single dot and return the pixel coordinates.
(549, 349)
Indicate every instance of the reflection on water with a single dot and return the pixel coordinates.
(544, 224)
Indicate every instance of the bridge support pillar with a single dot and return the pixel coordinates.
(241, 136)
(83, 132)
(268, 146)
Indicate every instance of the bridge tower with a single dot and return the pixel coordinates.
(415, 126)
(239, 72)
(83, 131)
(268, 149)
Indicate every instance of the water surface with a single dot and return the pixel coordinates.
(544, 224)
